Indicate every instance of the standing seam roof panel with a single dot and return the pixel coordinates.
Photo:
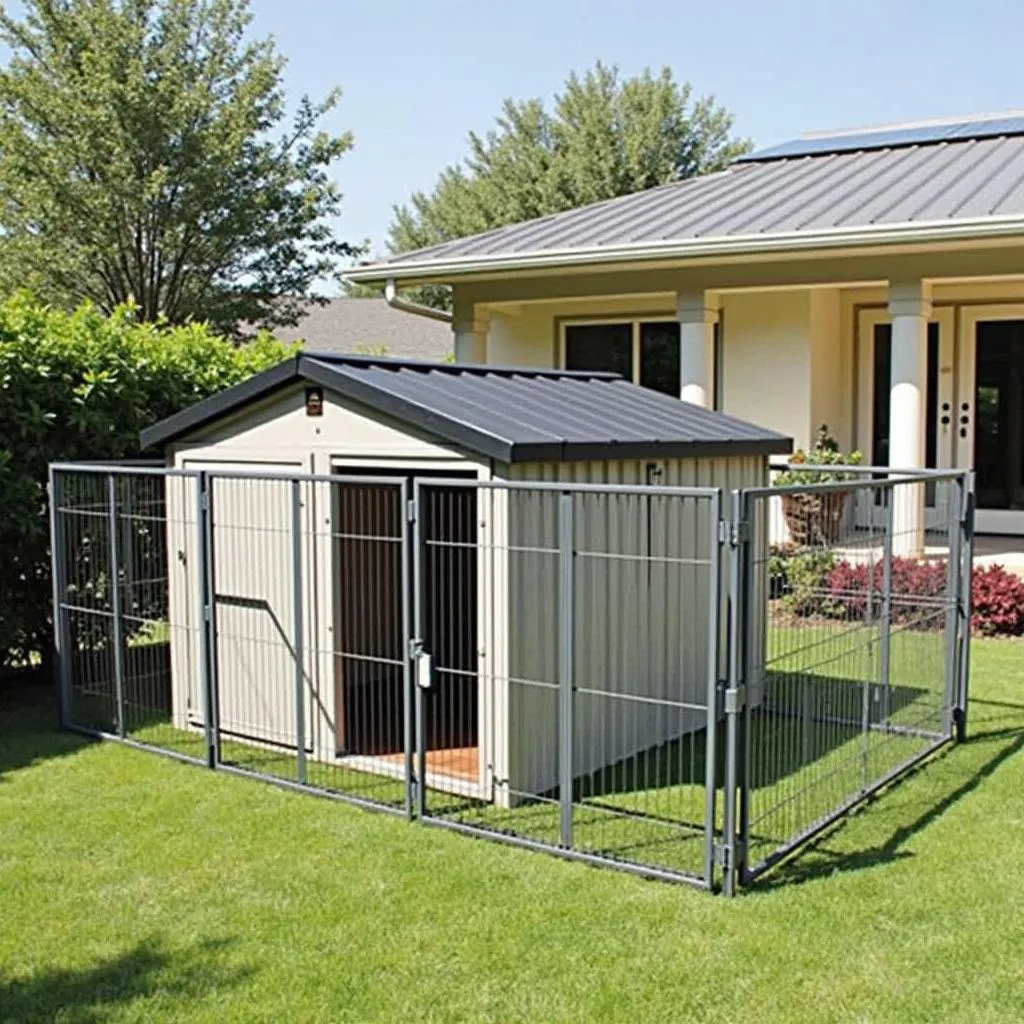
(925, 181)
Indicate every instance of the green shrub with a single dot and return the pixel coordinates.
(81, 386)
(806, 574)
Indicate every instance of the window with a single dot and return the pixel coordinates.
(645, 352)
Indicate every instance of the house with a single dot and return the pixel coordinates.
(347, 325)
(872, 280)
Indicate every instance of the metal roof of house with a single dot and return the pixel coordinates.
(511, 414)
(955, 179)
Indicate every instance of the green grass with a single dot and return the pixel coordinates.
(136, 888)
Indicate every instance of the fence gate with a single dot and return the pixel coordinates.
(566, 651)
(849, 650)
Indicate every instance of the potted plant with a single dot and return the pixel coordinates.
(814, 517)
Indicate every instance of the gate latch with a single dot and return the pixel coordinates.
(735, 698)
(423, 665)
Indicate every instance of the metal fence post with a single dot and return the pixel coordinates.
(117, 627)
(954, 574)
(208, 632)
(732, 695)
(713, 669)
(419, 627)
(565, 664)
(408, 518)
(297, 626)
(58, 573)
(966, 582)
(885, 613)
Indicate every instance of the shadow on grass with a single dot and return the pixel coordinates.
(29, 732)
(818, 861)
(88, 994)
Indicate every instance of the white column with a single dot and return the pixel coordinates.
(697, 318)
(469, 330)
(909, 307)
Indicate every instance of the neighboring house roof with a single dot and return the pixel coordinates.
(345, 325)
(510, 414)
(918, 182)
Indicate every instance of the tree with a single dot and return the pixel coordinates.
(605, 137)
(145, 160)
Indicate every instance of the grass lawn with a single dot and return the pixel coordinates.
(136, 888)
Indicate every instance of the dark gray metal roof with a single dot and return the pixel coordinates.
(511, 414)
(800, 189)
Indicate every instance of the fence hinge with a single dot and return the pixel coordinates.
(967, 522)
(733, 534)
(410, 510)
(204, 501)
(727, 854)
(735, 699)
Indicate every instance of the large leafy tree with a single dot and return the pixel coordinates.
(604, 136)
(145, 157)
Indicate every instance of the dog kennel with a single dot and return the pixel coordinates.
(362, 511)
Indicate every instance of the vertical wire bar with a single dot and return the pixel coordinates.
(565, 664)
(115, 602)
(953, 583)
(58, 574)
(885, 616)
(405, 575)
(297, 622)
(731, 733)
(711, 724)
(211, 711)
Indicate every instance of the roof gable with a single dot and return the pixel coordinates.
(511, 414)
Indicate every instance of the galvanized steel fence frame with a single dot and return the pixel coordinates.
(103, 632)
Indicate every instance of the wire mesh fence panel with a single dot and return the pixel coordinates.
(361, 726)
(850, 647)
(571, 636)
(310, 599)
(118, 538)
(84, 613)
(644, 626)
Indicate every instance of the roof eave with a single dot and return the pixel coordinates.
(979, 228)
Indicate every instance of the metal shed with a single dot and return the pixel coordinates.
(476, 459)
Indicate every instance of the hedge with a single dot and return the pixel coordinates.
(81, 386)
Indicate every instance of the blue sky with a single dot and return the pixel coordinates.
(418, 76)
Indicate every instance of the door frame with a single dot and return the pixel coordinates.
(987, 520)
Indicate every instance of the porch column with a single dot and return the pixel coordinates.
(909, 307)
(697, 318)
(469, 334)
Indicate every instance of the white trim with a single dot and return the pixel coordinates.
(972, 229)
(987, 520)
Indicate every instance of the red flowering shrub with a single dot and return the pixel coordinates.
(812, 586)
(916, 587)
(997, 602)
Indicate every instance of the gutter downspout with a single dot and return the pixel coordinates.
(395, 301)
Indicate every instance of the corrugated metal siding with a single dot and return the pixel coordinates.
(936, 181)
(640, 625)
